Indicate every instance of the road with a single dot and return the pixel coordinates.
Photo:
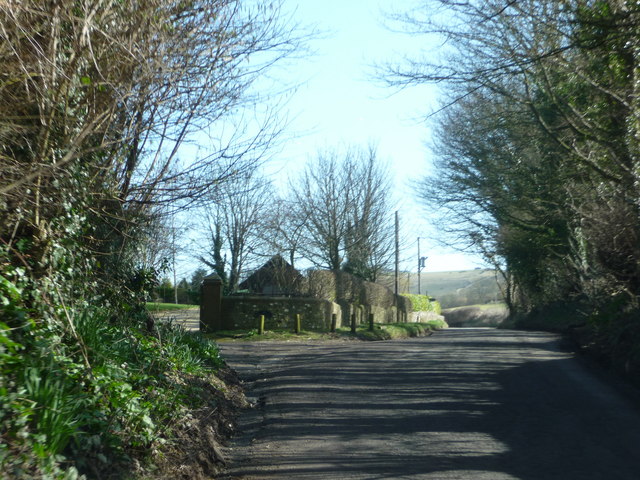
(189, 318)
(461, 404)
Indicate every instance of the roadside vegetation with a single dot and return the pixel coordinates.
(96, 99)
(423, 303)
(391, 331)
(89, 394)
(537, 163)
(381, 331)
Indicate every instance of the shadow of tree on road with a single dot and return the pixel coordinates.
(480, 404)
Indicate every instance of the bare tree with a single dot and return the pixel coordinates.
(322, 197)
(538, 138)
(283, 230)
(342, 201)
(157, 243)
(369, 241)
(233, 223)
(107, 93)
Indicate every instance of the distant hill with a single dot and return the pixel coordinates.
(452, 289)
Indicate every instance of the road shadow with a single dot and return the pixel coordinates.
(466, 404)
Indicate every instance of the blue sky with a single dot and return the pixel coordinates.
(340, 102)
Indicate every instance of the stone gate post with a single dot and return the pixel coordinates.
(211, 304)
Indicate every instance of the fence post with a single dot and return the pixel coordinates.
(297, 324)
(261, 325)
(334, 321)
(353, 323)
(371, 322)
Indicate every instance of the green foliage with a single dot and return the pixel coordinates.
(55, 408)
(83, 388)
(166, 295)
(194, 285)
(423, 303)
(88, 380)
(538, 153)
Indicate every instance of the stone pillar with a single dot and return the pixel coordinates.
(211, 304)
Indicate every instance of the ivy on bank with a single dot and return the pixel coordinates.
(423, 303)
(80, 391)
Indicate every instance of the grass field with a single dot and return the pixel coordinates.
(451, 289)
(441, 283)
(167, 307)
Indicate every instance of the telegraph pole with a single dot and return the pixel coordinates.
(421, 261)
(419, 265)
(397, 253)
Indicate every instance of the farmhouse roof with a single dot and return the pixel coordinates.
(276, 272)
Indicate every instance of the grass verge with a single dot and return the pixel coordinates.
(381, 331)
(110, 399)
(154, 307)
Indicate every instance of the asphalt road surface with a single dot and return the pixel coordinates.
(188, 318)
(461, 404)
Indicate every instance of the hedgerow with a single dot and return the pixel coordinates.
(423, 303)
(95, 100)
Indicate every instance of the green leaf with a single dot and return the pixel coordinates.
(10, 289)
(85, 80)
(5, 340)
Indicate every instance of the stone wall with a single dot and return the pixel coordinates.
(358, 296)
(243, 312)
(327, 293)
